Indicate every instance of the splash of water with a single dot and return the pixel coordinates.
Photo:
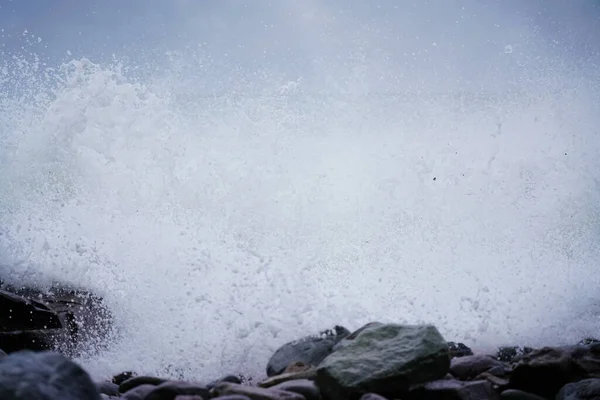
(217, 228)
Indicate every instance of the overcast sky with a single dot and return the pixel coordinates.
(440, 39)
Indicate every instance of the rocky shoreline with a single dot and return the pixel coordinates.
(377, 361)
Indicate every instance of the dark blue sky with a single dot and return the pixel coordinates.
(457, 37)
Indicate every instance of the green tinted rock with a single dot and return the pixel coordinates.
(384, 359)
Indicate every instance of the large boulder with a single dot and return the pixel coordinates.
(384, 359)
(310, 350)
(60, 318)
(28, 375)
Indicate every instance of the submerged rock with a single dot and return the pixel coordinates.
(384, 359)
(310, 350)
(28, 375)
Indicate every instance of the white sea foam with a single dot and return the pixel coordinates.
(218, 228)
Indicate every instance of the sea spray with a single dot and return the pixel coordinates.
(220, 225)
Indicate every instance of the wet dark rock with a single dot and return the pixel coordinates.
(512, 353)
(513, 394)
(107, 388)
(455, 390)
(297, 366)
(588, 359)
(588, 341)
(305, 387)
(348, 339)
(468, 367)
(171, 389)
(28, 375)
(122, 377)
(254, 393)
(139, 392)
(384, 359)
(544, 371)
(459, 350)
(139, 380)
(60, 318)
(498, 383)
(2, 354)
(226, 378)
(308, 350)
(274, 380)
(372, 396)
(586, 389)
(233, 397)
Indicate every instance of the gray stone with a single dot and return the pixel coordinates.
(545, 371)
(310, 350)
(468, 367)
(171, 389)
(226, 378)
(305, 387)
(139, 392)
(131, 383)
(297, 366)
(26, 375)
(513, 394)
(254, 393)
(372, 396)
(274, 380)
(455, 390)
(107, 388)
(586, 389)
(2, 354)
(384, 359)
(499, 383)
